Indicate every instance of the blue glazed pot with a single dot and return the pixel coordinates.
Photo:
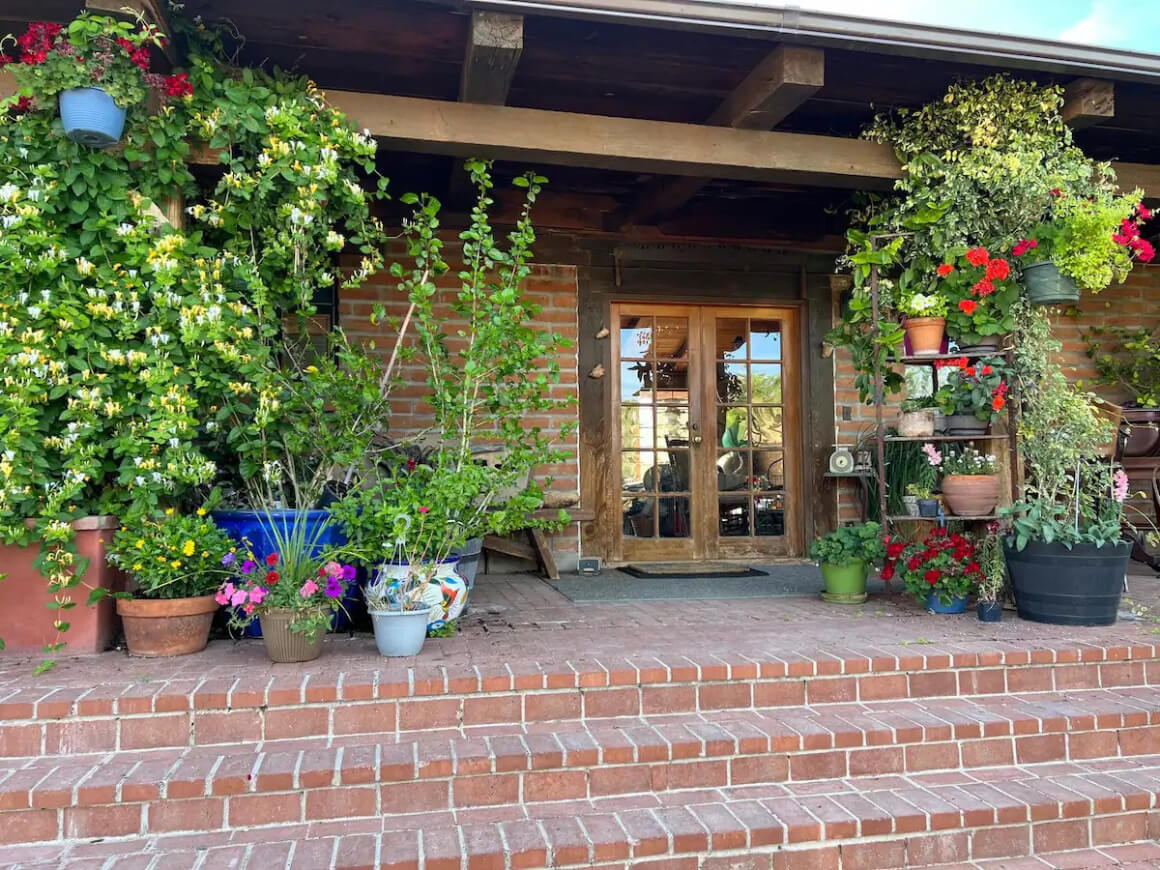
(253, 526)
(957, 605)
(91, 118)
(990, 611)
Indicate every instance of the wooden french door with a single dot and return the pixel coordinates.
(706, 426)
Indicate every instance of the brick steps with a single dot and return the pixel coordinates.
(232, 784)
(856, 824)
(259, 707)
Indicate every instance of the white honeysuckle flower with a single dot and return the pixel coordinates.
(125, 229)
(34, 311)
(84, 266)
(10, 220)
(9, 192)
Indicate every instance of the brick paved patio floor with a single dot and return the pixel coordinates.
(521, 620)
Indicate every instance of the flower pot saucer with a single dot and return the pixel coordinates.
(844, 597)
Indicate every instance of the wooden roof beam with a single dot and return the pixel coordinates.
(784, 79)
(628, 144)
(1087, 102)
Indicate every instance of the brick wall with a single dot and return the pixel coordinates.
(1135, 302)
(553, 287)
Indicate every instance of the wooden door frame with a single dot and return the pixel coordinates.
(790, 310)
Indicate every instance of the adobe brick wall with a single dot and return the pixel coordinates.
(1135, 302)
(553, 287)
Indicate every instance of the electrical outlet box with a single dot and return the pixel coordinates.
(589, 566)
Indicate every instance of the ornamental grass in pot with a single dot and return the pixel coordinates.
(177, 561)
(939, 571)
(973, 395)
(294, 590)
(845, 556)
(970, 480)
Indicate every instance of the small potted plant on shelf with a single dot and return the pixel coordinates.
(177, 562)
(993, 574)
(916, 417)
(1129, 358)
(973, 395)
(294, 590)
(845, 556)
(1085, 242)
(981, 292)
(940, 571)
(98, 67)
(910, 500)
(924, 319)
(970, 480)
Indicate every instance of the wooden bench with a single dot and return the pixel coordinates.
(535, 547)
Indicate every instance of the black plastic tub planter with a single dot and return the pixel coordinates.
(1061, 586)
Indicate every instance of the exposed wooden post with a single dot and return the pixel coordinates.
(1088, 102)
(7, 84)
(787, 77)
(494, 46)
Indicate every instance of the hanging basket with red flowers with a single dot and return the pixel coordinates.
(98, 66)
(942, 567)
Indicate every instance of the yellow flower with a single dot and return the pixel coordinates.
(201, 512)
(169, 512)
(176, 563)
(188, 548)
(140, 545)
(138, 567)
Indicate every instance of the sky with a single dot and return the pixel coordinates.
(1132, 24)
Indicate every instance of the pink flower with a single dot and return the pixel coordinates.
(308, 589)
(257, 594)
(424, 510)
(238, 598)
(932, 454)
(1024, 246)
(224, 594)
(332, 569)
(1119, 485)
(248, 609)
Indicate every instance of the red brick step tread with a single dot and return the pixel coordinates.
(889, 822)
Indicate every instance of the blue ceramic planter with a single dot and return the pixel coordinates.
(91, 118)
(253, 526)
(957, 605)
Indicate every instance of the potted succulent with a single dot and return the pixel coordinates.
(294, 588)
(973, 395)
(982, 292)
(970, 480)
(176, 562)
(993, 575)
(1129, 358)
(98, 67)
(924, 319)
(845, 556)
(1085, 242)
(939, 571)
(916, 417)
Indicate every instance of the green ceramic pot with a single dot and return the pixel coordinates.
(845, 584)
(1047, 286)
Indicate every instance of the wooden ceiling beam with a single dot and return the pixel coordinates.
(627, 144)
(1087, 102)
(784, 79)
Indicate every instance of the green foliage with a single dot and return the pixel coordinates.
(1128, 357)
(862, 542)
(918, 403)
(1083, 237)
(993, 575)
(978, 389)
(171, 555)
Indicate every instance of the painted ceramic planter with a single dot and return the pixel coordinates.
(971, 495)
(925, 334)
(910, 504)
(166, 627)
(445, 596)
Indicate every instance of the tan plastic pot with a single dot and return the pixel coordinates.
(916, 424)
(971, 495)
(925, 334)
(284, 645)
(173, 627)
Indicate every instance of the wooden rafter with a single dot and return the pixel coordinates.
(1088, 102)
(787, 77)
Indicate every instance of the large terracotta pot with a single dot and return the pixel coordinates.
(1144, 439)
(166, 627)
(284, 645)
(971, 495)
(26, 623)
(925, 334)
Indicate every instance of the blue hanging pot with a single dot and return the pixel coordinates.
(91, 118)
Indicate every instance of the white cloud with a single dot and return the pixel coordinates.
(1103, 25)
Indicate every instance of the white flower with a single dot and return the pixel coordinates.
(84, 266)
(10, 220)
(125, 229)
(9, 192)
(34, 311)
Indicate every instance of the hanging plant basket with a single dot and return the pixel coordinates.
(1046, 285)
(91, 117)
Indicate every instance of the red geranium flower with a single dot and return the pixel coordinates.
(913, 563)
(893, 551)
(968, 306)
(973, 567)
(1024, 246)
(945, 269)
(887, 572)
(178, 86)
(998, 402)
(978, 256)
(932, 576)
(1143, 212)
(998, 270)
(272, 577)
(987, 370)
(272, 559)
(969, 371)
(984, 287)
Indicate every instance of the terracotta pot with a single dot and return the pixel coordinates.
(166, 627)
(925, 334)
(284, 645)
(26, 623)
(916, 424)
(971, 495)
(1144, 439)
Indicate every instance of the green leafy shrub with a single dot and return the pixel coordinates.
(857, 543)
(1128, 357)
(173, 555)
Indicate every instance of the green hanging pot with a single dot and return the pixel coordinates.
(1046, 285)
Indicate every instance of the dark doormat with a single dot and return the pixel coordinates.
(687, 570)
(776, 581)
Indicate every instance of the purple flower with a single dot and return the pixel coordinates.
(248, 567)
(228, 559)
(348, 572)
(333, 588)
